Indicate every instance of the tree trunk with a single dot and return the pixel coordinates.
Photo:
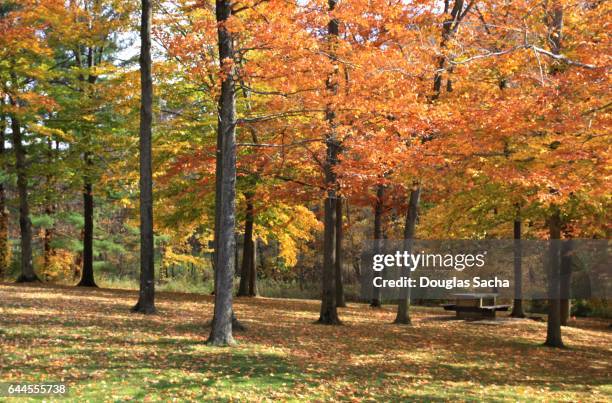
(225, 208)
(248, 249)
(146, 300)
(378, 236)
(87, 277)
(253, 275)
(517, 308)
(553, 331)
(47, 249)
(566, 280)
(4, 217)
(403, 305)
(25, 225)
(340, 302)
(553, 334)
(329, 312)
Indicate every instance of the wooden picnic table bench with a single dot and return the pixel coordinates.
(475, 305)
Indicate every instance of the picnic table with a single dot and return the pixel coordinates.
(475, 305)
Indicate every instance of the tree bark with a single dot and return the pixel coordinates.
(146, 300)
(253, 275)
(566, 280)
(329, 312)
(553, 331)
(517, 307)
(378, 236)
(25, 225)
(225, 208)
(4, 217)
(412, 215)
(87, 276)
(48, 250)
(247, 250)
(340, 302)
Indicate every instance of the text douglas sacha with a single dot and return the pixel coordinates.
(450, 283)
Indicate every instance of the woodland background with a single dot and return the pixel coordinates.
(489, 117)
(255, 147)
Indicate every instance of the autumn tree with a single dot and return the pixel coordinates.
(24, 47)
(85, 45)
(534, 142)
(146, 301)
(225, 189)
(403, 313)
(329, 313)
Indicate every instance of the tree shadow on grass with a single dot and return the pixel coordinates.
(163, 370)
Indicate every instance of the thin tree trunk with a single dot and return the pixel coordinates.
(78, 261)
(356, 259)
(225, 208)
(378, 236)
(247, 250)
(340, 302)
(329, 312)
(253, 292)
(4, 217)
(566, 280)
(517, 308)
(25, 225)
(146, 300)
(412, 215)
(553, 331)
(87, 277)
(48, 251)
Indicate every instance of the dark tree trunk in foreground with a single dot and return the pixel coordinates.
(566, 280)
(3, 210)
(25, 225)
(517, 308)
(329, 311)
(248, 251)
(87, 277)
(553, 331)
(340, 302)
(378, 236)
(146, 300)
(553, 334)
(225, 206)
(412, 215)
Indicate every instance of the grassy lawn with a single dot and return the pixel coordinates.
(88, 339)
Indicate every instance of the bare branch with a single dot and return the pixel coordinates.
(294, 144)
(561, 57)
